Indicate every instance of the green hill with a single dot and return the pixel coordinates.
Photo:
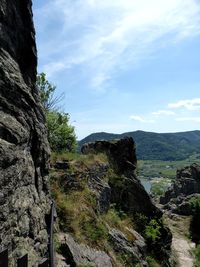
(156, 146)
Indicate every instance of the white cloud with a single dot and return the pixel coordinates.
(163, 112)
(189, 104)
(190, 119)
(53, 68)
(105, 36)
(141, 119)
(98, 80)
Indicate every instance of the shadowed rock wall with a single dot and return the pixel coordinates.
(24, 150)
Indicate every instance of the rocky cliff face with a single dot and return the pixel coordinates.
(126, 189)
(24, 151)
(100, 204)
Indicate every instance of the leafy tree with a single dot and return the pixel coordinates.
(47, 90)
(61, 134)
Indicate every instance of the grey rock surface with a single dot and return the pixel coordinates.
(97, 182)
(82, 255)
(125, 188)
(24, 150)
(134, 250)
(185, 186)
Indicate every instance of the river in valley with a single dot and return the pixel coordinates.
(146, 183)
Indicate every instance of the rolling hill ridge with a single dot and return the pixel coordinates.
(155, 146)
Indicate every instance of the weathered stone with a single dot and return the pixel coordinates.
(139, 241)
(180, 205)
(81, 255)
(186, 184)
(128, 194)
(126, 190)
(97, 182)
(24, 150)
(134, 251)
(61, 261)
(121, 152)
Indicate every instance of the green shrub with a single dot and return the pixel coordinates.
(152, 262)
(94, 230)
(157, 189)
(152, 231)
(197, 256)
(195, 205)
(56, 243)
(125, 259)
(195, 222)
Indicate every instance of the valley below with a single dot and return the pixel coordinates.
(157, 175)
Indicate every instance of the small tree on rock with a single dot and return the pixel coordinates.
(61, 134)
(47, 93)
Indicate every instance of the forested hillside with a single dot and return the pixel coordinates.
(156, 146)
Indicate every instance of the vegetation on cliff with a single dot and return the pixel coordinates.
(61, 134)
(194, 227)
(195, 222)
(92, 195)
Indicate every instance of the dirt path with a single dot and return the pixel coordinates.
(181, 245)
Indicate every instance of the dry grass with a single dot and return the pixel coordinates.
(79, 159)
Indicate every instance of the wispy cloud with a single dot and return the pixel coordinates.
(189, 104)
(189, 119)
(163, 112)
(141, 119)
(103, 37)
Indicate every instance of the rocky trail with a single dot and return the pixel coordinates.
(181, 245)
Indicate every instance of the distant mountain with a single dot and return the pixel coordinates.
(156, 146)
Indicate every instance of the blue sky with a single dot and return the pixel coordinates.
(123, 65)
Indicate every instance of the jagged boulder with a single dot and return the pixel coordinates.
(126, 189)
(24, 150)
(134, 250)
(81, 255)
(121, 152)
(98, 184)
(186, 184)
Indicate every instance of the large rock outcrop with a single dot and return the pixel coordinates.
(109, 198)
(126, 190)
(185, 186)
(24, 150)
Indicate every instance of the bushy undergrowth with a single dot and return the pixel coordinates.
(152, 231)
(152, 262)
(195, 222)
(78, 215)
(197, 256)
